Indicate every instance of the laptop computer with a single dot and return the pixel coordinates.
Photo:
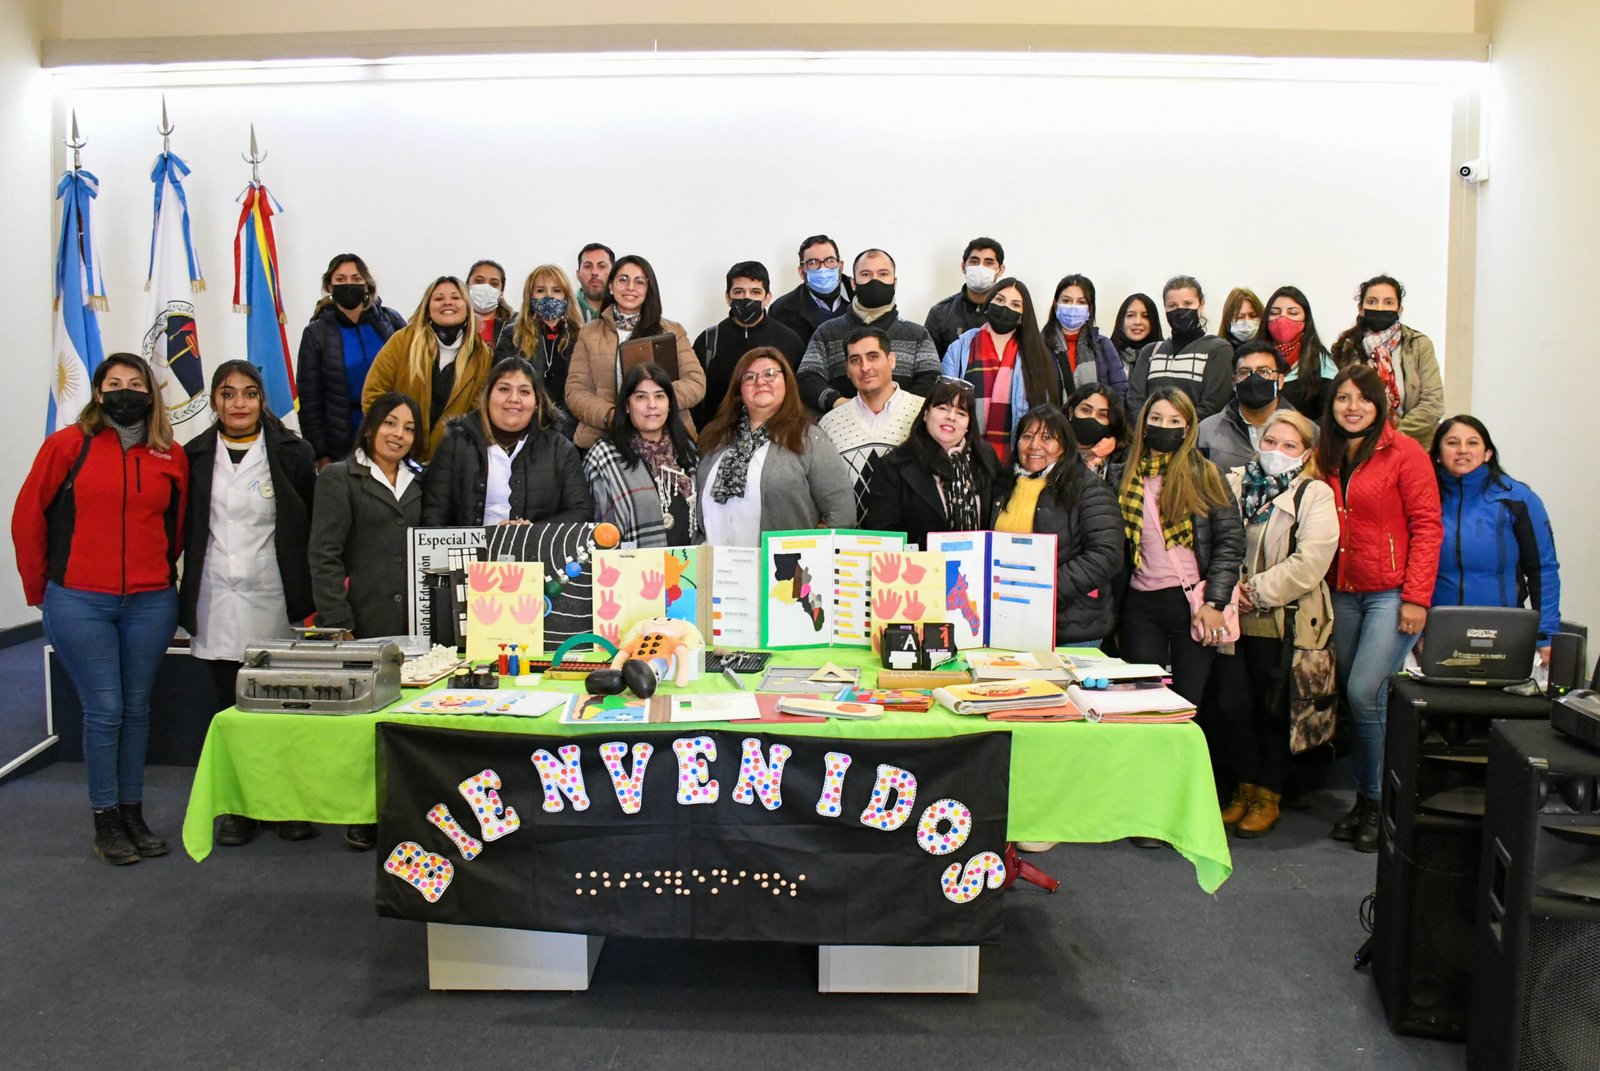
(1478, 646)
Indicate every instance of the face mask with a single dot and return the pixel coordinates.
(1278, 463)
(1001, 319)
(875, 294)
(1376, 320)
(483, 296)
(1183, 321)
(1244, 330)
(1163, 440)
(745, 310)
(1283, 329)
(447, 335)
(125, 406)
(823, 281)
(549, 309)
(1072, 317)
(1089, 431)
(979, 278)
(1255, 392)
(348, 295)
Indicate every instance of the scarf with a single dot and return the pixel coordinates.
(735, 468)
(1290, 350)
(868, 315)
(962, 495)
(625, 321)
(990, 375)
(1173, 533)
(1380, 355)
(1257, 490)
(661, 459)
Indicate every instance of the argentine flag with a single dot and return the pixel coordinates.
(80, 290)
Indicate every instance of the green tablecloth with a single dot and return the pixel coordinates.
(1070, 781)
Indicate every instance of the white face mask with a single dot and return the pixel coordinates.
(979, 278)
(1243, 330)
(483, 296)
(1278, 463)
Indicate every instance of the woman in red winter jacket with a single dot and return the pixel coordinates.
(1383, 572)
(97, 532)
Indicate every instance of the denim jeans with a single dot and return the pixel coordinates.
(1366, 627)
(111, 646)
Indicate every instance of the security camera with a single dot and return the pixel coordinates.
(1474, 171)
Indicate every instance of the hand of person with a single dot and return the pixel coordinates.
(513, 520)
(1247, 605)
(1544, 656)
(1412, 618)
(1210, 620)
(837, 402)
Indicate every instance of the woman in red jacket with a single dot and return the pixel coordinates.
(1383, 572)
(97, 533)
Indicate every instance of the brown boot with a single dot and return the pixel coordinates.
(1242, 798)
(1261, 817)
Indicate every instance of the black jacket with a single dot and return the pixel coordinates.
(1218, 542)
(952, 318)
(799, 312)
(359, 531)
(547, 481)
(319, 376)
(550, 361)
(294, 480)
(719, 348)
(1088, 558)
(903, 497)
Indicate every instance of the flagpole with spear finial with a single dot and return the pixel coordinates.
(79, 292)
(75, 143)
(166, 128)
(255, 159)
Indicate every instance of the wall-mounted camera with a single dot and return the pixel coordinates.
(1474, 171)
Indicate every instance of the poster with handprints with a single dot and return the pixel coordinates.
(505, 605)
(907, 586)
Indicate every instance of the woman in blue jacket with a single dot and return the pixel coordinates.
(1498, 548)
(1007, 363)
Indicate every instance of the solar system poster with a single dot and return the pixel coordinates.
(715, 834)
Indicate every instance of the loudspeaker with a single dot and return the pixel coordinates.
(1430, 836)
(1567, 663)
(1536, 1005)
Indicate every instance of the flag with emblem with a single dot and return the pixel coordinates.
(171, 340)
(80, 292)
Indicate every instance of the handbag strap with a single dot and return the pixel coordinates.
(1294, 541)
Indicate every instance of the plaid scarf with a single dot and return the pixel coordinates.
(625, 496)
(990, 375)
(1173, 533)
(1257, 490)
(1380, 355)
(661, 461)
(734, 471)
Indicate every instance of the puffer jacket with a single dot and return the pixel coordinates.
(323, 381)
(1389, 526)
(547, 482)
(1088, 558)
(1218, 541)
(1498, 548)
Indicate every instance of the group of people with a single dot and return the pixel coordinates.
(1200, 487)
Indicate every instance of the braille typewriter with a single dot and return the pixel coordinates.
(319, 676)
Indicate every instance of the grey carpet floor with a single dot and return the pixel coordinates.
(271, 956)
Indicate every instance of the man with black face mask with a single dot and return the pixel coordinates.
(747, 327)
(824, 375)
(1199, 364)
(1230, 437)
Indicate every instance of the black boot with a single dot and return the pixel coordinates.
(1346, 827)
(111, 842)
(235, 830)
(145, 842)
(362, 838)
(1371, 819)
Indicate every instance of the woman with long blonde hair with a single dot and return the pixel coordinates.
(544, 333)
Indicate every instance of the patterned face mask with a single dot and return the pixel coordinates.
(548, 309)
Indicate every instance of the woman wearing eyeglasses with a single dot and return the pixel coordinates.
(763, 465)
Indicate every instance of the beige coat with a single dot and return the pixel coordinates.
(1277, 579)
(592, 377)
(391, 370)
(1423, 388)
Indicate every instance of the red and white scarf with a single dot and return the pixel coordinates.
(1380, 355)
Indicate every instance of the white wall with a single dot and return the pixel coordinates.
(1535, 379)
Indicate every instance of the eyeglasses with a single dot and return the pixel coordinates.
(1243, 374)
(813, 264)
(766, 375)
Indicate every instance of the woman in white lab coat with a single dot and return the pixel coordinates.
(245, 571)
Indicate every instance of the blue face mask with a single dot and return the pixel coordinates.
(549, 308)
(1072, 317)
(823, 280)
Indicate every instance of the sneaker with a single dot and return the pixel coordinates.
(1036, 845)
(235, 830)
(143, 840)
(361, 838)
(111, 841)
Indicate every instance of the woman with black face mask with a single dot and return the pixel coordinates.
(97, 531)
(347, 329)
(1194, 362)
(437, 359)
(1100, 429)
(1007, 363)
(1402, 357)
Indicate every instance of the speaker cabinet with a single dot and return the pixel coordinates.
(1430, 840)
(1568, 662)
(1536, 1005)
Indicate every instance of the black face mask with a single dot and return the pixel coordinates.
(1255, 392)
(349, 296)
(745, 310)
(1183, 322)
(875, 294)
(1003, 320)
(1089, 431)
(1163, 440)
(447, 335)
(126, 407)
(1375, 320)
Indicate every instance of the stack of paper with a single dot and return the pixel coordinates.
(993, 696)
(1137, 702)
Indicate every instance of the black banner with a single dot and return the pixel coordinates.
(710, 834)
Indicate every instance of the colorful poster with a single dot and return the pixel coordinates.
(1000, 588)
(734, 597)
(908, 586)
(817, 587)
(505, 605)
(641, 584)
(966, 586)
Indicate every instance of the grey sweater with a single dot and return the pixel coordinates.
(799, 490)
